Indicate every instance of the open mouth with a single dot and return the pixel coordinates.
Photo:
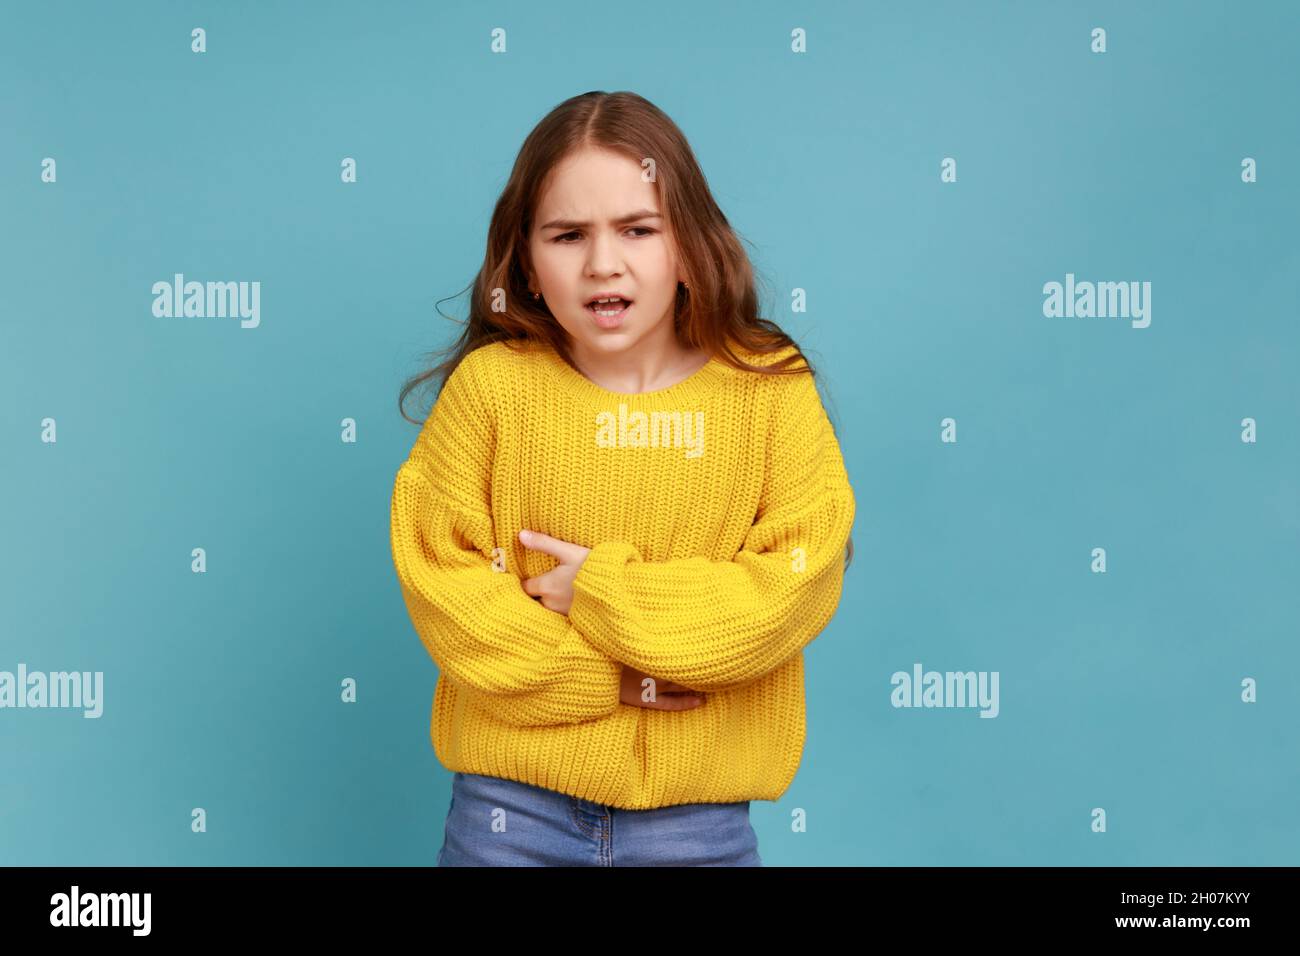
(608, 308)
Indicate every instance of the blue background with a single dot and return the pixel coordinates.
(1118, 690)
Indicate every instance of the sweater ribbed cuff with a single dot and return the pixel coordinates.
(598, 597)
(593, 681)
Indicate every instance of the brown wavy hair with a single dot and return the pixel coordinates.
(718, 311)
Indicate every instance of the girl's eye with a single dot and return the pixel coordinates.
(560, 238)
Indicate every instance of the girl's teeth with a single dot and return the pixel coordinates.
(608, 308)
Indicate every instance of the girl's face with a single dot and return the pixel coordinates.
(598, 230)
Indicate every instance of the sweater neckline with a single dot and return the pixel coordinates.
(694, 385)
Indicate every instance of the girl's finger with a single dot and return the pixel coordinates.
(681, 703)
(663, 685)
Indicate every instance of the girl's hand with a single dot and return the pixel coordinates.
(555, 587)
(670, 695)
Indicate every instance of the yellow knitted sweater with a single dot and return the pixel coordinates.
(717, 511)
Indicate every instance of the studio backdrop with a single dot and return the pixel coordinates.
(1043, 255)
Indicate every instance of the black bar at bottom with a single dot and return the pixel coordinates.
(650, 906)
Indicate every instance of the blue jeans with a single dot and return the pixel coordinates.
(548, 828)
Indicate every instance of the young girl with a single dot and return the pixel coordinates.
(622, 521)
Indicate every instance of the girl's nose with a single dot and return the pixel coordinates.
(604, 259)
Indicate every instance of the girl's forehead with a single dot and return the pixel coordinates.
(599, 174)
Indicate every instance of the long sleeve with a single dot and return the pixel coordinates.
(525, 663)
(711, 625)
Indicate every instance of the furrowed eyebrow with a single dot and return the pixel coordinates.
(620, 221)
